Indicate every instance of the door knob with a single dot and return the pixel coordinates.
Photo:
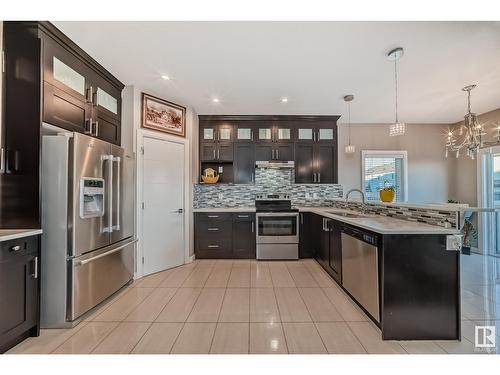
(178, 211)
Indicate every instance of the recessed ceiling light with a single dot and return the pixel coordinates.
(165, 77)
(215, 100)
(284, 100)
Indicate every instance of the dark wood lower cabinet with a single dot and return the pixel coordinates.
(244, 235)
(224, 235)
(19, 291)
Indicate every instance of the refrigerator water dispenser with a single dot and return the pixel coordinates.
(91, 197)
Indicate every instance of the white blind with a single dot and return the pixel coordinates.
(380, 170)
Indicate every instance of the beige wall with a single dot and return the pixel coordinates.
(465, 169)
(430, 174)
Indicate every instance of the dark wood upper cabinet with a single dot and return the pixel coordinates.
(310, 141)
(325, 158)
(78, 94)
(244, 163)
(264, 151)
(304, 163)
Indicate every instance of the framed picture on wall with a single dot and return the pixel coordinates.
(163, 116)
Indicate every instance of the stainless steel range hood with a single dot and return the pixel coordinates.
(275, 164)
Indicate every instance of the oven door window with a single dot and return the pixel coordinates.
(278, 226)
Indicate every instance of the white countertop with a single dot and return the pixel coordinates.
(12, 234)
(382, 224)
(375, 223)
(225, 209)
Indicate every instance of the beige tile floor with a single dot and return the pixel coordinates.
(242, 306)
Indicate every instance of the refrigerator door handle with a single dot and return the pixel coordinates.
(109, 159)
(118, 192)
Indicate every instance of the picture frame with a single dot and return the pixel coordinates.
(163, 116)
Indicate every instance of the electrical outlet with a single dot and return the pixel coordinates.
(221, 169)
(454, 242)
(315, 195)
(308, 195)
(221, 196)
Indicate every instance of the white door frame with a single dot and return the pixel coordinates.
(141, 134)
(484, 219)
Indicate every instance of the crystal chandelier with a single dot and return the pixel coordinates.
(349, 149)
(473, 132)
(398, 128)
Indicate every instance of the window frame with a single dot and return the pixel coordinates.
(403, 154)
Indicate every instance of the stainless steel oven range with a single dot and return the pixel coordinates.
(277, 227)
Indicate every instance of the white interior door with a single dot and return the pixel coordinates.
(163, 197)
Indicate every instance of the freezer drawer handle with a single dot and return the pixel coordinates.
(83, 262)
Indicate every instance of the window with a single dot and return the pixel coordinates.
(380, 168)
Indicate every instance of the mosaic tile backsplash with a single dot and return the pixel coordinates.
(271, 180)
(267, 180)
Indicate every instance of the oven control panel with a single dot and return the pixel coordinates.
(274, 196)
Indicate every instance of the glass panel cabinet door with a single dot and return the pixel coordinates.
(284, 134)
(244, 134)
(107, 101)
(68, 76)
(265, 134)
(325, 134)
(305, 134)
(208, 134)
(225, 134)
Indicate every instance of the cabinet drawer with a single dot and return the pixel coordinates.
(18, 247)
(213, 247)
(243, 216)
(214, 228)
(214, 216)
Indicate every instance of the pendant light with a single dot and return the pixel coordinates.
(349, 149)
(398, 128)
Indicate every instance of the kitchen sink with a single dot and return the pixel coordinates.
(352, 215)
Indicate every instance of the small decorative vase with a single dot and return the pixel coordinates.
(387, 196)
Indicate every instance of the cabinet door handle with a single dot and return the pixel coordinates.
(218, 153)
(88, 126)
(253, 227)
(88, 96)
(2, 160)
(35, 272)
(251, 135)
(15, 248)
(213, 246)
(212, 216)
(314, 177)
(277, 154)
(319, 177)
(213, 229)
(253, 177)
(243, 216)
(96, 128)
(214, 153)
(272, 154)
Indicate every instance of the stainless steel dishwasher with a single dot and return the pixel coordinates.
(360, 268)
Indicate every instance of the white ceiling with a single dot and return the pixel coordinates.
(250, 66)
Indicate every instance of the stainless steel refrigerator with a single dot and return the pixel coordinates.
(88, 225)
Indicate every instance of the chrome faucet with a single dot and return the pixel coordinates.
(359, 191)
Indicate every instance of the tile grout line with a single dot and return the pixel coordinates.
(138, 341)
(74, 333)
(281, 319)
(312, 320)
